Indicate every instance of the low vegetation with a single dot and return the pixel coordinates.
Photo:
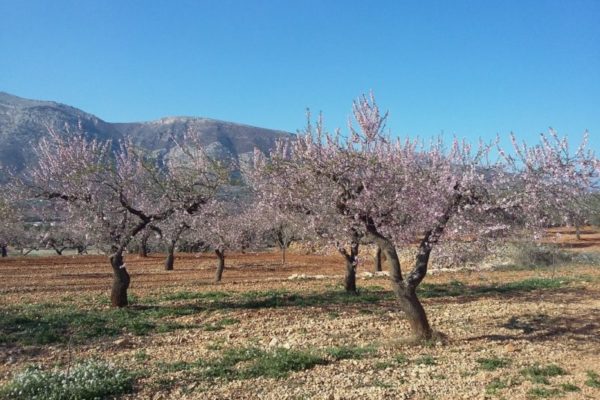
(492, 364)
(87, 380)
(49, 323)
(308, 337)
(540, 374)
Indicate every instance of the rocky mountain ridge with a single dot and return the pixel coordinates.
(24, 121)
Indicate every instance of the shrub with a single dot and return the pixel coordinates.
(528, 254)
(86, 380)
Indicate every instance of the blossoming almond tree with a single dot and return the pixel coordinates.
(10, 224)
(394, 191)
(312, 177)
(119, 192)
(171, 231)
(281, 229)
(554, 182)
(226, 224)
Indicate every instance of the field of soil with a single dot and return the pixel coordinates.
(512, 333)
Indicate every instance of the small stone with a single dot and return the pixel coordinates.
(121, 342)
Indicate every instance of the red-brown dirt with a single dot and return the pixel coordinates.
(558, 325)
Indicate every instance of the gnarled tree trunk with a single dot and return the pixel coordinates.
(118, 296)
(221, 265)
(405, 291)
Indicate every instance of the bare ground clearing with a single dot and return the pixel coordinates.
(495, 330)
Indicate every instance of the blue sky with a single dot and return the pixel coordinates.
(469, 68)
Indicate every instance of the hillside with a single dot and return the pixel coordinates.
(25, 121)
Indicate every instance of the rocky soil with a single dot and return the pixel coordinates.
(491, 333)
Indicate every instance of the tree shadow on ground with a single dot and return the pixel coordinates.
(278, 299)
(552, 290)
(453, 292)
(542, 327)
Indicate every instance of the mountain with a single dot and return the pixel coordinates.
(23, 122)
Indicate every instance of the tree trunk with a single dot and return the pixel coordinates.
(4, 250)
(351, 264)
(578, 232)
(220, 265)
(170, 261)
(405, 290)
(350, 278)
(412, 307)
(378, 259)
(283, 248)
(121, 281)
(143, 249)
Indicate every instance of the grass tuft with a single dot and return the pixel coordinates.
(493, 363)
(495, 386)
(593, 379)
(544, 392)
(569, 387)
(258, 363)
(401, 359)
(426, 360)
(220, 325)
(538, 374)
(349, 353)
